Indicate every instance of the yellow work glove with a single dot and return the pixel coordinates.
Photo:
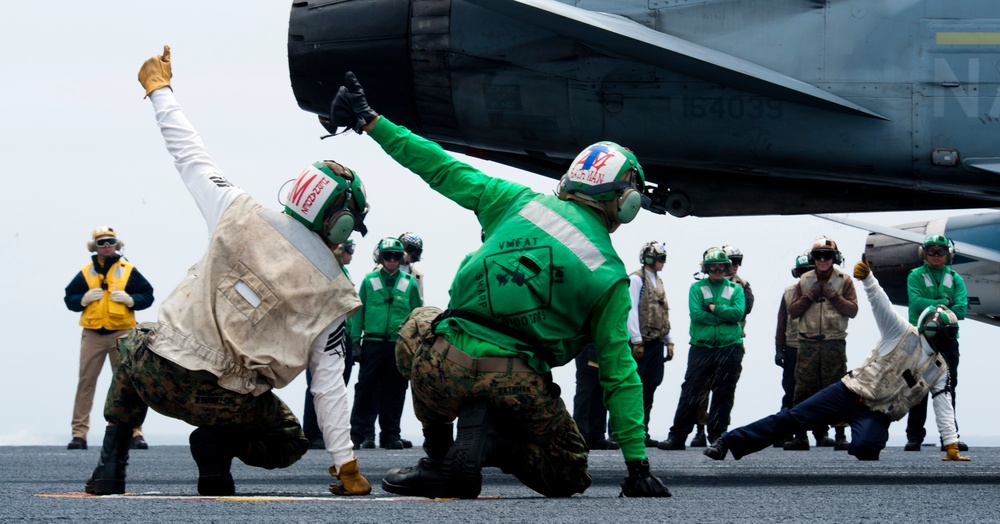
(638, 350)
(156, 72)
(951, 453)
(862, 270)
(351, 481)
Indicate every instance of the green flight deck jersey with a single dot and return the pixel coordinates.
(547, 272)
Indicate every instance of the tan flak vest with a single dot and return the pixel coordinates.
(791, 324)
(891, 384)
(250, 309)
(822, 318)
(654, 312)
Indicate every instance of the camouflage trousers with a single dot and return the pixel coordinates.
(820, 363)
(528, 403)
(262, 430)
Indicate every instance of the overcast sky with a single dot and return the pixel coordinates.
(81, 149)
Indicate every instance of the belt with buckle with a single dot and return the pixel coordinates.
(481, 365)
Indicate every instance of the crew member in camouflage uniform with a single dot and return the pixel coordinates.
(715, 359)
(649, 324)
(823, 303)
(545, 282)
(266, 300)
(932, 284)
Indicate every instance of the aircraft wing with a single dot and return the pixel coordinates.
(989, 165)
(637, 42)
(963, 248)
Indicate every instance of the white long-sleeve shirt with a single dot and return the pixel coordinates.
(893, 326)
(213, 194)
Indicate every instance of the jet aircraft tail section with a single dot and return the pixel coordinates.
(637, 42)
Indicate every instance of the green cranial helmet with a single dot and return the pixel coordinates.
(802, 265)
(329, 199)
(715, 255)
(937, 240)
(937, 321)
(388, 245)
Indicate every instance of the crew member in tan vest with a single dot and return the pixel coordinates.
(649, 324)
(823, 303)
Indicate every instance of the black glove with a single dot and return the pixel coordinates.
(641, 483)
(779, 357)
(349, 107)
(357, 353)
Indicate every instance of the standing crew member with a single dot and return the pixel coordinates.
(649, 325)
(414, 247)
(715, 359)
(545, 282)
(933, 284)
(786, 337)
(388, 295)
(823, 303)
(106, 292)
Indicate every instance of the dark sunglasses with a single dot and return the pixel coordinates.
(936, 251)
(393, 256)
(822, 255)
(717, 268)
(349, 249)
(931, 330)
(661, 258)
(106, 242)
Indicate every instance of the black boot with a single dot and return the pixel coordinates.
(798, 443)
(214, 458)
(463, 463)
(840, 440)
(109, 475)
(426, 479)
(699, 440)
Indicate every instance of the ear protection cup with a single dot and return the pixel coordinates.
(338, 227)
(629, 204)
(648, 260)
